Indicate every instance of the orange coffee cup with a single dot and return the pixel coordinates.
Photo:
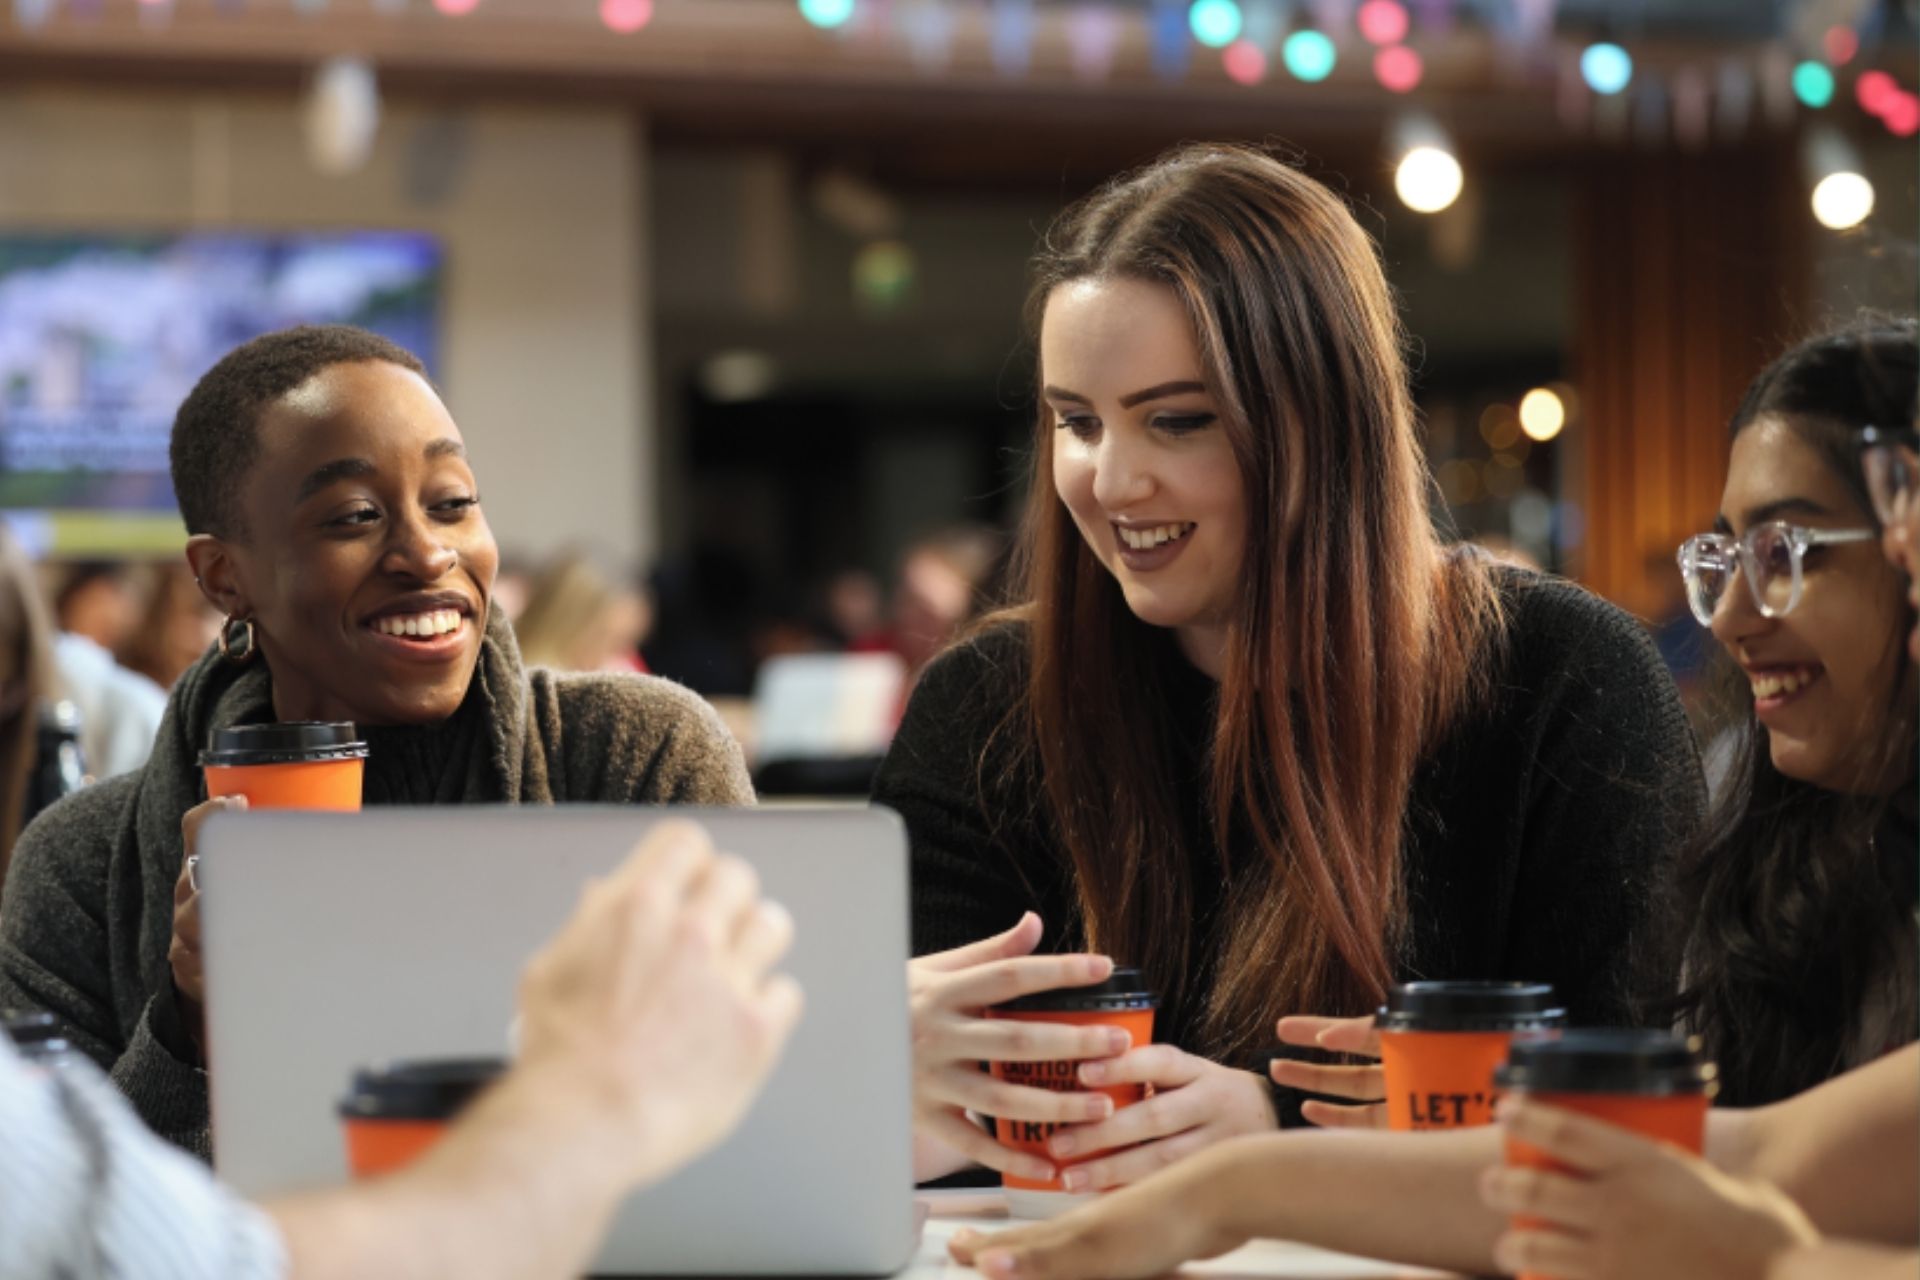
(394, 1113)
(1654, 1083)
(1441, 1042)
(1123, 1001)
(305, 764)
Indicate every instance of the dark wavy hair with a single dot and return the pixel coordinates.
(1795, 897)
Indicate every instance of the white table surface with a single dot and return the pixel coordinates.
(949, 1211)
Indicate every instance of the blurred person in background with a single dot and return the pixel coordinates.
(577, 619)
(175, 630)
(99, 600)
(637, 1053)
(855, 608)
(512, 585)
(28, 680)
(119, 707)
(946, 581)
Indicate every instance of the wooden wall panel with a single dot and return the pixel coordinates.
(1692, 272)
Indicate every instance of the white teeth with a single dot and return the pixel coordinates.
(438, 623)
(1146, 539)
(1786, 682)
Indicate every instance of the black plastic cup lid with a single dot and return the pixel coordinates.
(1470, 1006)
(30, 1027)
(430, 1089)
(1124, 989)
(296, 742)
(1648, 1063)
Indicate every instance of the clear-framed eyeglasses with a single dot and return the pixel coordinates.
(1890, 458)
(1769, 556)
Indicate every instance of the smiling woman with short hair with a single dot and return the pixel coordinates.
(336, 522)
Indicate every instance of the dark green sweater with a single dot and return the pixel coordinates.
(87, 913)
(1539, 832)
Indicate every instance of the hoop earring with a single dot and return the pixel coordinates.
(241, 652)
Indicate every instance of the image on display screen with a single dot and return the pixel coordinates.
(101, 338)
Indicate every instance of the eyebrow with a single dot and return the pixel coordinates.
(1774, 510)
(358, 468)
(1160, 392)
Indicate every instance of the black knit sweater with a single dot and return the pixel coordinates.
(1540, 830)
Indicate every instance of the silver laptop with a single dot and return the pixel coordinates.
(337, 940)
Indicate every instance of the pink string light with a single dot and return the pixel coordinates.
(1245, 63)
(1383, 22)
(1398, 69)
(626, 16)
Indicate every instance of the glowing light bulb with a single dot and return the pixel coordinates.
(1542, 415)
(1382, 22)
(1607, 67)
(1841, 44)
(626, 16)
(1398, 69)
(1875, 90)
(1216, 23)
(1842, 201)
(1428, 179)
(827, 13)
(1245, 63)
(1309, 55)
(1902, 116)
(1813, 85)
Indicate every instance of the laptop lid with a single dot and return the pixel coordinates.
(333, 941)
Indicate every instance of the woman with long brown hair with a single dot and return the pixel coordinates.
(1255, 729)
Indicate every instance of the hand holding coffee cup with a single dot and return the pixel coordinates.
(183, 952)
(1442, 1042)
(1652, 1083)
(950, 992)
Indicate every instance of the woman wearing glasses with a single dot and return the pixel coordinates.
(1800, 958)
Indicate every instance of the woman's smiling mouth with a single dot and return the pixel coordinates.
(1146, 547)
(433, 628)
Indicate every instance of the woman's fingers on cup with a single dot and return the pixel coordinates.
(1558, 1200)
(1332, 1115)
(184, 961)
(1343, 1035)
(1161, 1116)
(1361, 1084)
(1589, 1145)
(1006, 1040)
(1020, 940)
(1156, 1064)
(970, 1089)
(1547, 1253)
(1134, 1165)
(1003, 980)
(981, 1147)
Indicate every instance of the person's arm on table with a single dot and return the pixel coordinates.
(1847, 1152)
(1411, 1198)
(1845, 1262)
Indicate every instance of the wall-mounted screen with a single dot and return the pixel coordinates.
(102, 336)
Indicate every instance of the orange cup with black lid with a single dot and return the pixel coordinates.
(302, 764)
(1441, 1042)
(394, 1113)
(1654, 1083)
(1123, 1000)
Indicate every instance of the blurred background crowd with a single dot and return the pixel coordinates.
(727, 295)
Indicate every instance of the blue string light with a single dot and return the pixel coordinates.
(1607, 67)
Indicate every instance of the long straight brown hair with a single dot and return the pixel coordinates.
(27, 680)
(1357, 635)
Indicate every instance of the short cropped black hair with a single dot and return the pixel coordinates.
(215, 441)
